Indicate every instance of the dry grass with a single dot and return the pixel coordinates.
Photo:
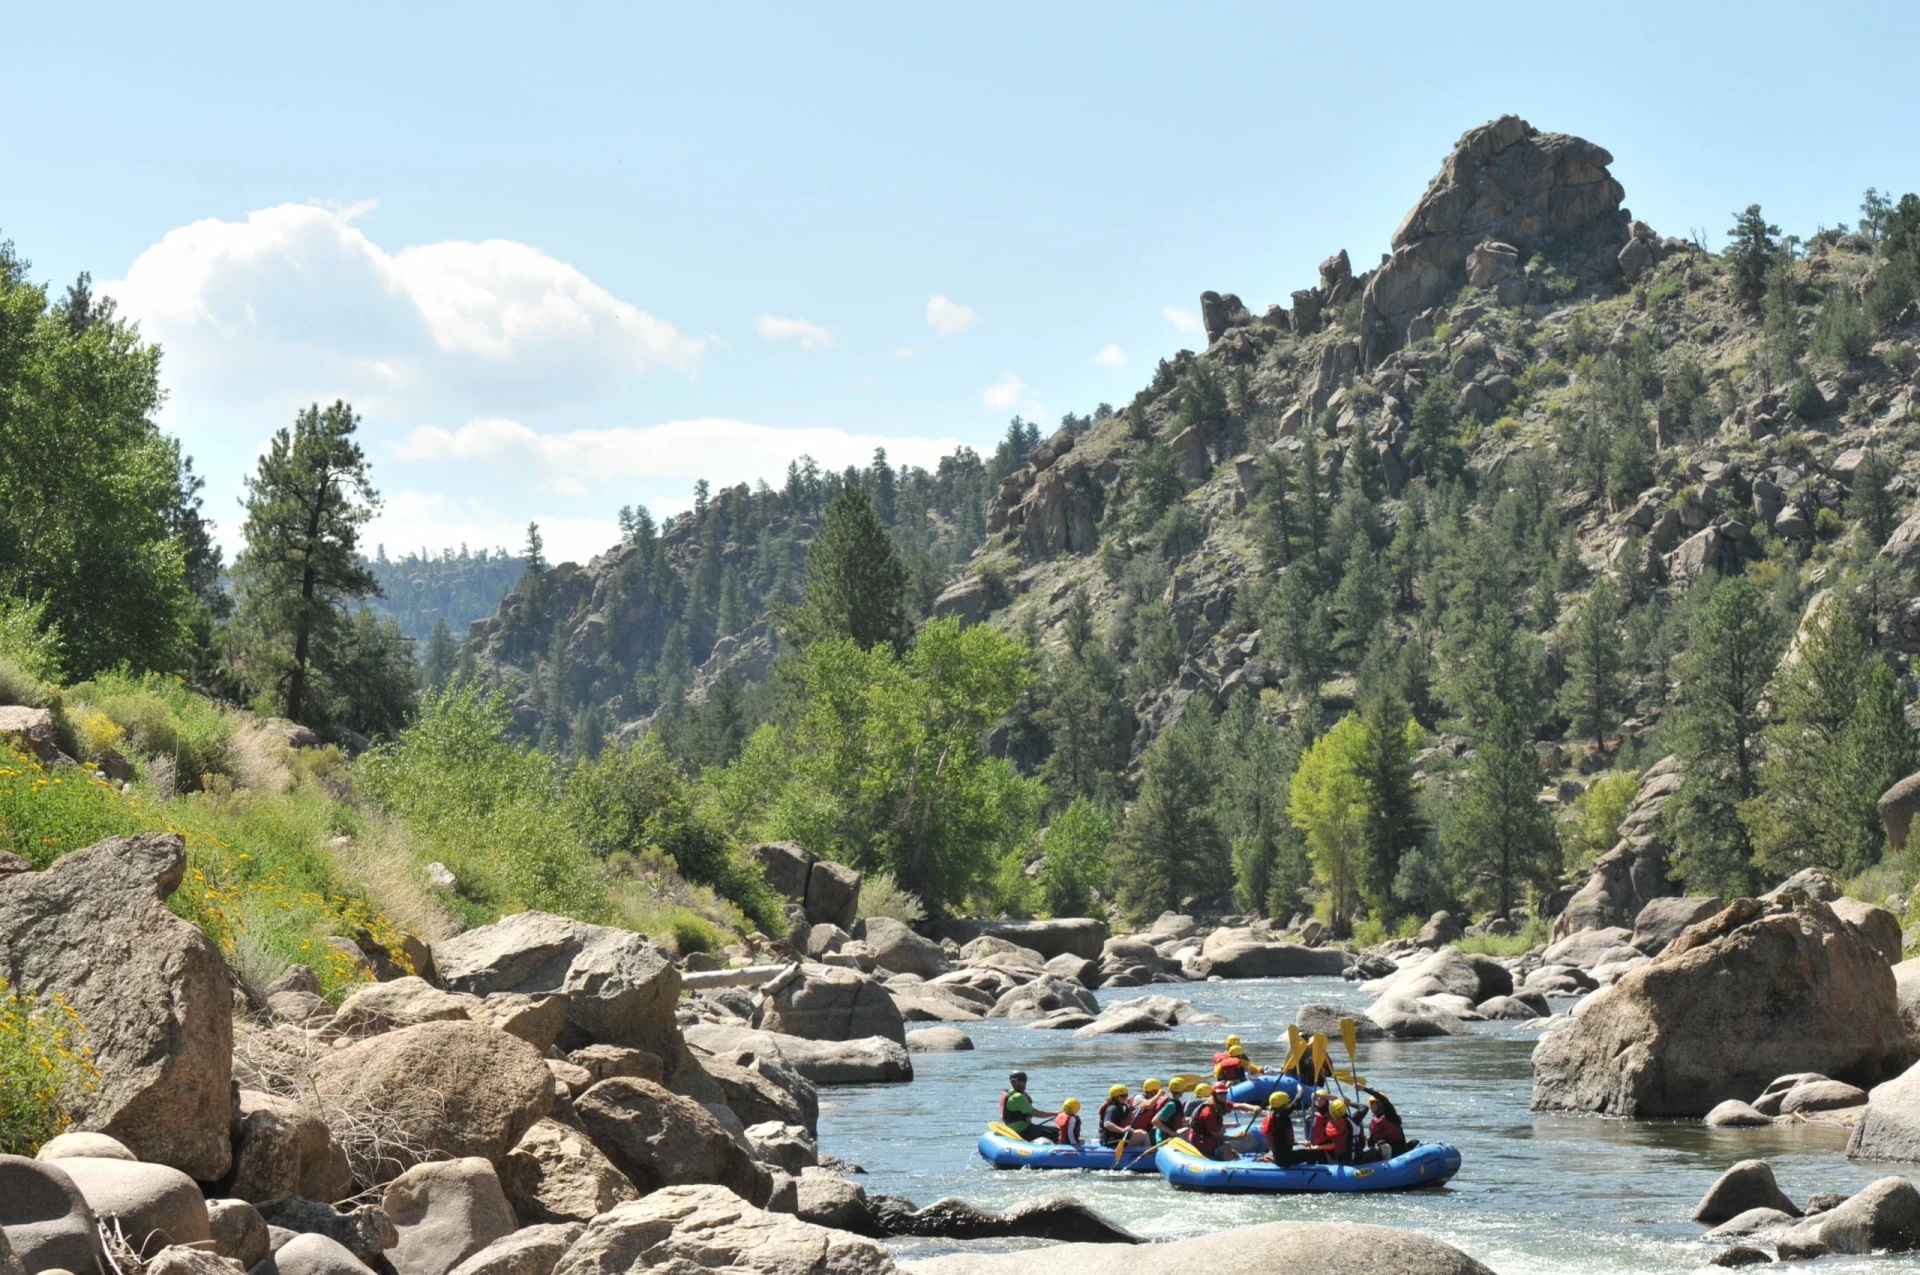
(259, 758)
(379, 864)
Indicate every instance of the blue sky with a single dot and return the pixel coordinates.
(569, 257)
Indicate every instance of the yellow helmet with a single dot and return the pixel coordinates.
(1117, 1091)
(1232, 1041)
(1177, 1085)
(1152, 1086)
(1236, 1052)
(1203, 1091)
(1279, 1099)
(1338, 1108)
(1071, 1106)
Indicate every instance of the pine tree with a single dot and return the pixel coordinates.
(1394, 827)
(534, 554)
(882, 477)
(1594, 692)
(1498, 831)
(1085, 712)
(1872, 504)
(1277, 519)
(1733, 644)
(1172, 845)
(305, 506)
(732, 615)
(1255, 763)
(1360, 603)
(437, 664)
(1750, 253)
(856, 583)
(1877, 750)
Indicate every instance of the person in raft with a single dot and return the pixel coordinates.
(1329, 1132)
(1170, 1116)
(1115, 1119)
(1207, 1128)
(1018, 1113)
(1066, 1125)
(1231, 1065)
(1386, 1137)
(1277, 1128)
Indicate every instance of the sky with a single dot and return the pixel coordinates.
(563, 257)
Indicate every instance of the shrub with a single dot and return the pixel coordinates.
(1804, 400)
(1593, 825)
(45, 814)
(1535, 933)
(1075, 868)
(881, 895)
(162, 718)
(43, 1069)
(1842, 333)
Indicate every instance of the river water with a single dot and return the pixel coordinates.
(1537, 1194)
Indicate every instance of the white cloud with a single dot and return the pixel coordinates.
(410, 521)
(670, 455)
(808, 336)
(1181, 318)
(948, 318)
(297, 302)
(1004, 393)
(905, 353)
(1110, 356)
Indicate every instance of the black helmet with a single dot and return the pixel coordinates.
(1017, 1079)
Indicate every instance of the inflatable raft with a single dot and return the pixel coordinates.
(1002, 1148)
(1428, 1164)
(1257, 1089)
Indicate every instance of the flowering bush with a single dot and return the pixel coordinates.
(43, 1069)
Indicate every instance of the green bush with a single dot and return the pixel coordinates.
(45, 814)
(1075, 867)
(161, 718)
(881, 895)
(1535, 933)
(1804, 400)
(44, 1069)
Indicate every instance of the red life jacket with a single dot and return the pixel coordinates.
(1387, 1132)
(1278, 1131)
(1330, 1135)
(1208, 1129)
(1068, 1128)
(1228, 1069)
(1003, 1105)
(1143, 1117)
(1115, 1111)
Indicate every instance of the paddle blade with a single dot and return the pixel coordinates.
(1358, 1082)
(1294, 1047)
(1186, 1081)
(1319, 1053)
(994, 1126)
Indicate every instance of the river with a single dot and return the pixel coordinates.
(1537, 1194)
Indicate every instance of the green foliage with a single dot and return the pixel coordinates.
(881, 895)
(1395, 827)
(45, 1069)
(1328, 801)
(635, 798)
(1433, 446)
(1843, 332)
(424, 592)
(91, 491)
(882, 762)
(1074, 870)
(486, 806)
(1597, 813)
(1255, 763)
(1872, 505)
(1172, 846)
(1733, 644)
(1593, 692)
(856, 582)
(1803, 399)
(303, 650)
(1751, 252)
(1498, 832)
(1088, 720)
(1537, 932)
(161, 718)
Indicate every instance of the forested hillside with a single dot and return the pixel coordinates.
(1388, 600)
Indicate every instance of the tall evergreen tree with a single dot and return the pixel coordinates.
(436, 666)
(1498, 832)
(1594, 691)
(1750, 252)
(1255, 762)
(301, 567)
(1733, 644)
(1872, 504)
(1172, 845)
(1085, 712)
(856, 582)
(1394, 826)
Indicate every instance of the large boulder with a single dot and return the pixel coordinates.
(938, 1040)
(1589, 949)
(445, 1212)
(283, 1148)
(1509, 184)
(661, 1139)
(1883, 1217)
(685, 1228)
(45, 1218)
(556, 1174)
(366, 1231)
(1080, 936)
(1245, 1250)
(452, 1088)
(762, 1088)
(620, 988)
(1899, 803)
(83, 1146)
(1446, 972)
(1748, 995)
(153, 1205)
(534, 1250)
(1661, 920)
(1889, 1129)
(1878, 926)
(151, 992)
(404, 1002)
(1749, 1184)
(1043, 996)
(312, 1254)
(873, 1060)
(1255, 958)
(828, 892)
(824, 1198)
(1634, 872)
(238, 1231)
(828, 1002)
(898, 949)
(1060, 1218)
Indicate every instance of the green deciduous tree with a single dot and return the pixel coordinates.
(1328, 801)
(1074, 870)
(90, 491)
(301, 569)
(1498, 832)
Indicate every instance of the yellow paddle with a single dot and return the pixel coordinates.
(1349, 1036)
(994, 1126)
(1186, 1080)
(1295, 1046)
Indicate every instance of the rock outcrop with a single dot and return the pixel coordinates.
(1509, 191)
(685, 1228)
(828, 892)
(1634, 872)
(1246, 1250)
(657, 1139)
(1753, 993)
(161, 1027)
(827, 1002)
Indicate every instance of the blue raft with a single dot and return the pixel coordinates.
(1428, 1164)
(1002, 1148)
(1257, 1089)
